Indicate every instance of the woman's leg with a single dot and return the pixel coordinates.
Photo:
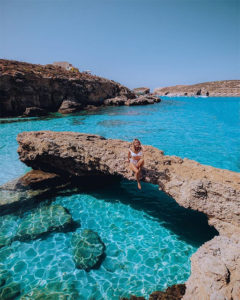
(137, 170)
(139, 166)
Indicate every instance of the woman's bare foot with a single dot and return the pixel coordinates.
(139, 185)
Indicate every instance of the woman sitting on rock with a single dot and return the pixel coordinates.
(135, 158)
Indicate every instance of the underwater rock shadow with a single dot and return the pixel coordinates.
(191, 226)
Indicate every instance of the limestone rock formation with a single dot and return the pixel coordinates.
(34, 112)
(143, 100)
(30, 187)
(215, 192)
(24, 86)
(44, 220)
(88, 250)
(120, 100)
(141, 91)
(215, 270)
(225, 88)
(69, 106)
(140, 100)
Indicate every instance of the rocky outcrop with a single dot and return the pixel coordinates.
(140, 100)
(30, 188)
(225, 88)
(141, 91)
(215, 270)
(34, 112)
(215, 192)
(143, 100)
(69, 106)
(116, 101)
(88, 250)
(24, 86)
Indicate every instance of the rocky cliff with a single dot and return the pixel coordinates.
(24, 85)
(225, 88)
(215, 192)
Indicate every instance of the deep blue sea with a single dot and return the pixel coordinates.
(149, 238)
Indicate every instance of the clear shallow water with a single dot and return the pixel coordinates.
(148, 237)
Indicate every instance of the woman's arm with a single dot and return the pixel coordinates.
(129, 155)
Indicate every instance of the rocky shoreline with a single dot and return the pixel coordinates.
(215, 267)
(224, 88)
(36, 90)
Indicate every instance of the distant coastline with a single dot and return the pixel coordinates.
(224, 88)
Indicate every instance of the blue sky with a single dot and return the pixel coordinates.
(136, 42)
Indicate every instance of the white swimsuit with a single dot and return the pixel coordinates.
(133, 154)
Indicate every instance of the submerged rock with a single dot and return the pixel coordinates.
(53, 291)
(8, 225)
(44, 220)
(88, 250)
(9, 290)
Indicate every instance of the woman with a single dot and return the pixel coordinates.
(135, 158)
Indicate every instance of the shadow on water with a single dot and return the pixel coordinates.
(190, 226)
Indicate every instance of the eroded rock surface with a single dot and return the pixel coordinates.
(140, 100)
(88, 250)
(69, 106)
(174, 292)
(29, 188)
(215, 271)
(143, 100)
(224, 88)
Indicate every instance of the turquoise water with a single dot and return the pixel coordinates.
(148, 237)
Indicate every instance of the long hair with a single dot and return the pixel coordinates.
(137, 140)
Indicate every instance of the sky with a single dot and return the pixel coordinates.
(151, 43)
